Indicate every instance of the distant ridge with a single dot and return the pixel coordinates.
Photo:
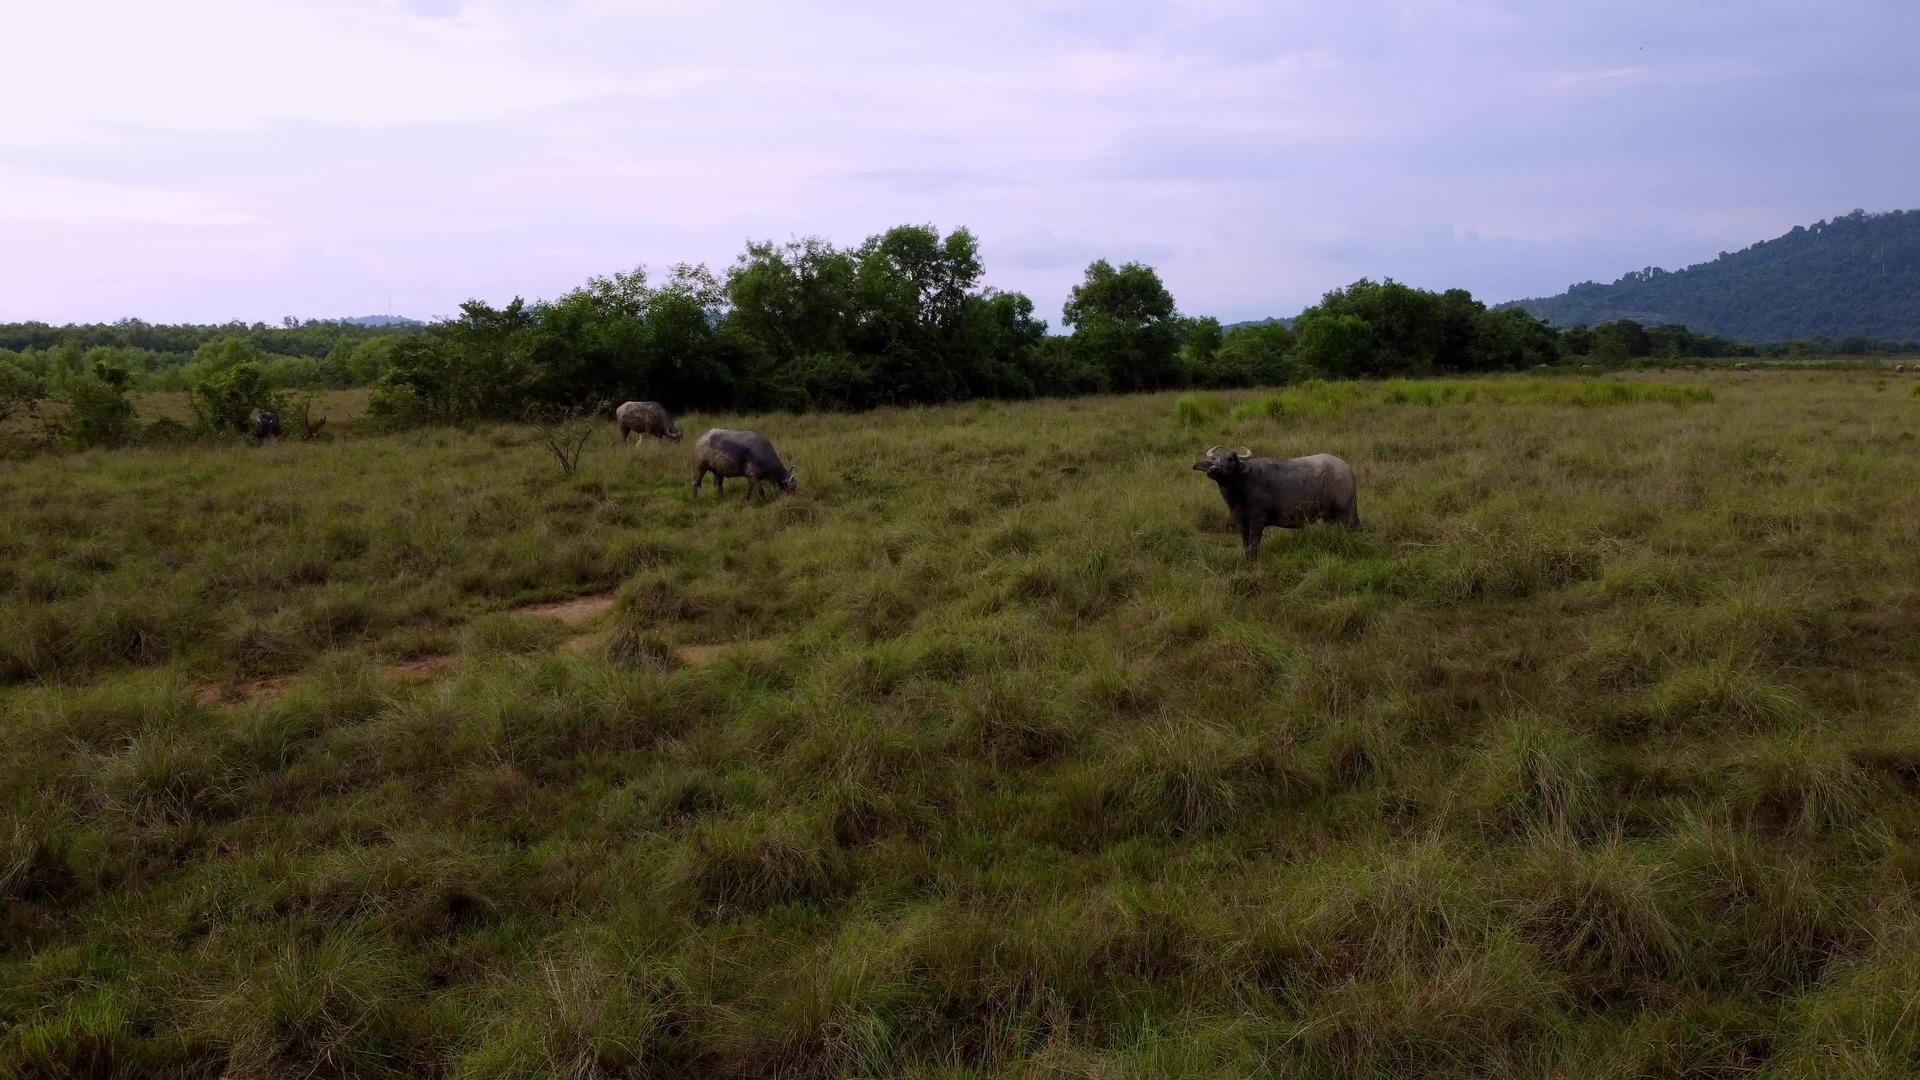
(1286, 321)
(382, 320)
(1854, 276)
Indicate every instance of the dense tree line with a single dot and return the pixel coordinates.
(1856, 276)
(902, 318)
(291, 337)
(315, 353)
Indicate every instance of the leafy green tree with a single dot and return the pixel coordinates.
(1124, 320)
(1578, 341)
(229, 384)
(1511, 340)
(1060, 366)
(98, 412)
(1410, 331)
(1621, 339)
(475, 367)
(1003, 336)
(227, 399)
(1257, 355)
(793, 299)
(20, 391)
(1200, 340)
(1334, 346)
(911, 288)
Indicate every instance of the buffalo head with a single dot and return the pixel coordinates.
(1224, 464)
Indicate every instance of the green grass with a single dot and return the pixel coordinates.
(1320, 399)
(1196, 410)
(1594, 754)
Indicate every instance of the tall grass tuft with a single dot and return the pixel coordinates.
(1199, 410)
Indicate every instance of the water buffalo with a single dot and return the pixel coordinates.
(725, 453)
(1288, 492)
(266, 426)
(1743, 367)
(645, 418)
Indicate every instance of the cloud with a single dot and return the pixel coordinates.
(233, 158)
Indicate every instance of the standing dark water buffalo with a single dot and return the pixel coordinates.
(266, 426)
(725, 453)
(645, 418)
(1288, 492)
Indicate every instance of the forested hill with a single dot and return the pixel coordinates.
(1854, 276)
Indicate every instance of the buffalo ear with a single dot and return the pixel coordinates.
(1203, 466)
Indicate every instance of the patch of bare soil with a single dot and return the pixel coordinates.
(574, 612)
(702, 655)
(421, 668)
(582, 644)
(271, 688)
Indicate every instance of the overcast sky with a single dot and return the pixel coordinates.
(249, 159)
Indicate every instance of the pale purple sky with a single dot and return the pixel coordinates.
(216, 159)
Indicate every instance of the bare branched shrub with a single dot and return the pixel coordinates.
(565, 429)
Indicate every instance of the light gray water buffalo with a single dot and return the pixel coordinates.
(725, 453)
(645, 418)
(1288, 492)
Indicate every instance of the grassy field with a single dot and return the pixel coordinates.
(1596, 754)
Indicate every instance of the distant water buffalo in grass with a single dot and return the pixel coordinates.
(724, 453)
(644, 418)
(1288, 492)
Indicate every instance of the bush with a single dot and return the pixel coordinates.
(1259, 355)
(228, 400)
(1336, 345)
(393, 405)
(296, 415)
(1198, 410)
(98, 412)
(20, 391)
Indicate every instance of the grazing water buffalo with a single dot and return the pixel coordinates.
(266, 426)
(725, 453)
(645, 418)
(1288, 492)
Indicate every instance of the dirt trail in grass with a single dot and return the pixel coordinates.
(585, 609)
(702, 655)
(271, 688)
(575, 612)
(421, 668)
(579, 611)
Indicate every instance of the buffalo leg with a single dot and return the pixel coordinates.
(699, 474)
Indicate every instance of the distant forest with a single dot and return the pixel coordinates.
(903, 318)
(1851, 279)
